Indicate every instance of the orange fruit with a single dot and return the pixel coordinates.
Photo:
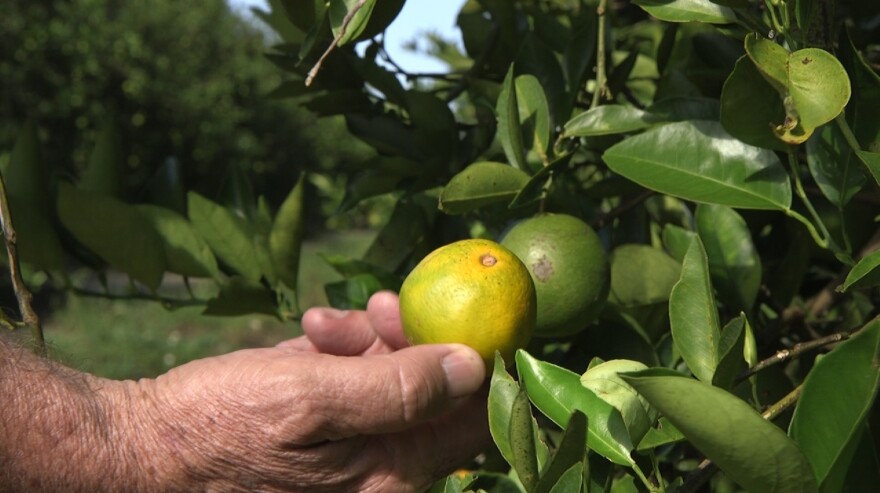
(569, 268)
(473, 292)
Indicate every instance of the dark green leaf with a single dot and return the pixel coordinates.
(731, 361)
(834, 165)
(558, 392)
(105, 169)
(481, 184)
(352, 293)
(509, 129)
(347, 267)
(388, 135)
(397, 238)
(864, 121)
(228, 235)
(688, 11)
(534, 114)
(734, 262)
(36, 239)
(607, 119)
(751, 107)
(699, 161)
(872, 163)
(356, 12)
(572, 451)
(186, 253)
(750, 450)
(865, 274)
(682, 108)
(662, 434)
(502, 394)
(534, 189)
(115, 231)
(435, 131)
(838, 394)
(522, 441)
(571, 480)
(641, 279)
(240, 296)
(26, 176)
(286, 236)
(693, 314)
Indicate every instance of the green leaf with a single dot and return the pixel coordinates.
(481, 184)
(503, 391)
(358, 19)
(834, 165)
(572, 451)
(607, 119)
(26, 176)
(105, 169)
(604, 380)
(396, 240)
(838, 394)
(734, 262)
(688, 11)
(750, 450)
(186, 253)
(534, 114)
(509, 129)
(771, 59)
(37, 241)
(872, 163)
(522, 441)
(353, 293)
(699, 161)
(676, 240)
(228, 235)
(804, 11)
(751, 107)
(730, 353)
(865, 274)
(865, 122)
(693, 314)
(115, 231)
(286, 236)
(240, 296)
(348, 267)
(642, 278)
(435, 131)
(662, 434)
(571, 480)
(534, 189)
(558, 392)
(682, 108)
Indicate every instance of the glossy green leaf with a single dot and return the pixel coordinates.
(481, 184)
(104, 172)
(699, 161)
(662, 434)
(603, 379)
(694, 315)
(734, 263)
(865, 274)
(607, 119)
(115, 231)
(239, 296)
(572, 451)
(676, 240)
(751, 107)
(503, 391)
(730, 353)
(837, 396)
(834, 165)
(750, 450)
(186, 253)
(509, 129)
(353, 293)
(688, 11)
(558, 392)
(26, 176)
(534, 114)
(286, 236)
(522, 441)
(228, 235)
(571, 480)
(355, 12)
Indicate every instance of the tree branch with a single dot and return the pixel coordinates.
(345, 22)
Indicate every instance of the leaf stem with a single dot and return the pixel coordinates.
(795, 351)
(601, 75)
(824, 240)
(22, 293)
(641, 475)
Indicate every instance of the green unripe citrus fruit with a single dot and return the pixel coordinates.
(473, 292)
(569, 268)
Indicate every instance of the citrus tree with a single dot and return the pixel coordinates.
(694, 182)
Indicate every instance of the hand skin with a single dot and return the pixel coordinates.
(347, 407)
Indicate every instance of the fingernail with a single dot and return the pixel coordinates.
(334, 313)
(465, 372)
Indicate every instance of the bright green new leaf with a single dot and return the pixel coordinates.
(509, 129)
(694, 315)
(734, 262)
(115, 231)
(838, 395)
(349, 18)
(186, 253)
(865, 274)
(688, 11)
(502, 393)
(699, 161)
(607, 119)
(228, 235)
(749, 449)
(481, 184)
(558, 392)
(286, 236)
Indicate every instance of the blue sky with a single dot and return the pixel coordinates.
(416, 17)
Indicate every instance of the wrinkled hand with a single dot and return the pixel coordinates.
(346, 407)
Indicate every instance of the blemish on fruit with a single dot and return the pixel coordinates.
(488, 259)
(543, 269)
(806, 60)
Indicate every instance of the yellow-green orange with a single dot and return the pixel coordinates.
(569, 268)
(473, 292)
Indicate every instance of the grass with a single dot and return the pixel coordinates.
(133, 338)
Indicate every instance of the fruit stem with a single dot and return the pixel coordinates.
(641, 475)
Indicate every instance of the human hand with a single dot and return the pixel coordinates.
(346, 407)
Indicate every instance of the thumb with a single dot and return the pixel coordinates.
(393, 392)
